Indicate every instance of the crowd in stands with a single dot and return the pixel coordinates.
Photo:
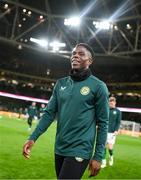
(39, 88)
(60, 68)
(15, 105)
(26, 90)
(18, 106)
(118, 74)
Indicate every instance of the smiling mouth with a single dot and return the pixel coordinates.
(75, 62)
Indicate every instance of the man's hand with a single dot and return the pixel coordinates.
(94, 167)
(27, 148)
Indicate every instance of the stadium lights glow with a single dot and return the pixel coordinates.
(20, 47)
(41, 17)
(14, 81)
(105, 25)
(24, 10)
(29, 13)
(128, 26)
(24, 19)
(3, 79)
(26, 98)
(57, 45)
(48, 72)
(19, 25)
(124, 8)
(124, 109)
(6, 6)
(73, 21)
(115, 28)
(41, 42)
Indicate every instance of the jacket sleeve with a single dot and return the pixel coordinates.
(102, 117)
(48, 116)
(119, 116)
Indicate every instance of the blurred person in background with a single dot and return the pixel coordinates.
(32, 114)
(80, 101)
(114, 124)
(41, 110)
(20, 112)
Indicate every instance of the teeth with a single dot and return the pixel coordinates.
(75, 61)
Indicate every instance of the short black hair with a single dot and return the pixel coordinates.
(88, 48)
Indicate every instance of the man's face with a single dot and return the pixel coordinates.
(42, 105)
(112, 103)
(33, 104)
(81, 58)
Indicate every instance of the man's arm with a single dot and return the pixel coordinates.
(43, 124)
(119, 117)
(102, 116)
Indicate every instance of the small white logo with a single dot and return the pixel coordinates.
(114, 112)
(63, 88)
(79, 159)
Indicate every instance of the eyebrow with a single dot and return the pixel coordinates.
(82, 52)
(78, 51)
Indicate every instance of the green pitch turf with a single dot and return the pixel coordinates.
(14, 132)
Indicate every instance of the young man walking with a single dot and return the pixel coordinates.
(80, 101)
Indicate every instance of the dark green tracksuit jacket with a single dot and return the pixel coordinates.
(41, 112)
(80, 106)
(114, 120)
(32, 111)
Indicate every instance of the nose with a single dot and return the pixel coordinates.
(75, 55)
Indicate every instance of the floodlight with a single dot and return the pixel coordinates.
(41, 16)
(73, 21)
(115, 27)
(41, 42)
(14, 81)
(29, 13)
(24, 10)
(24, 19)
(128, 26)
(19, 47)
(19, 25)
(105, 25)
(57, 45)
(6, 6)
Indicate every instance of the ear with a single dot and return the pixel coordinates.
(90, 61)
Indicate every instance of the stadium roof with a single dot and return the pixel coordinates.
(22, 19)
(31, 31)
(117, 47)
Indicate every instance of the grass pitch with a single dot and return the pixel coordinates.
(14, 132)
